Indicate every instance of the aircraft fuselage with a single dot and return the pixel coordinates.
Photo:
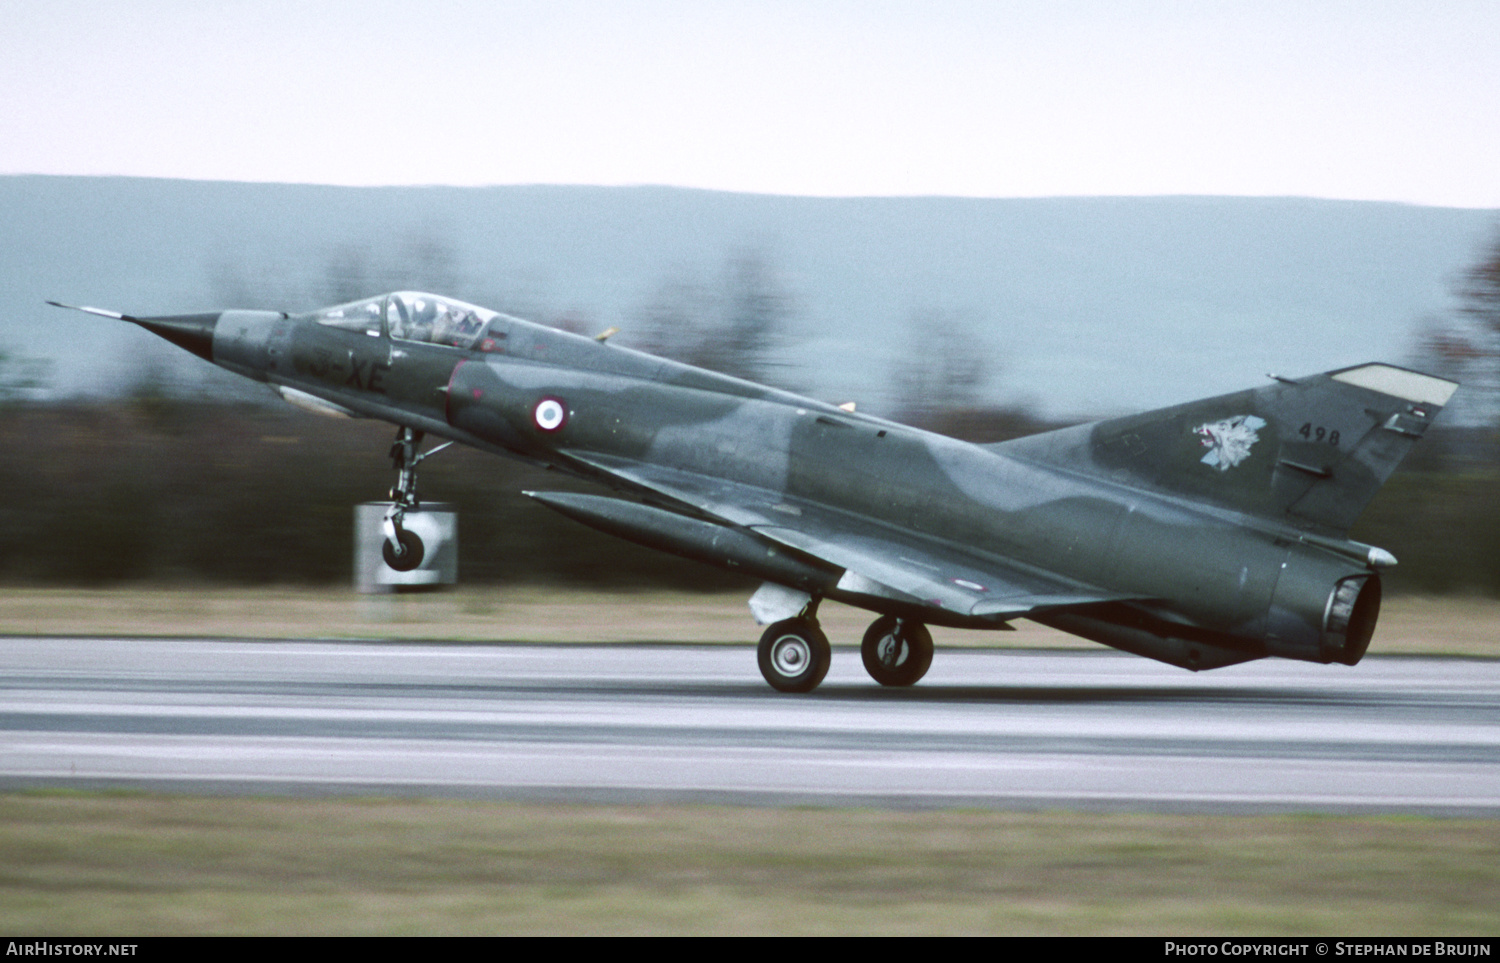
(1203, 535)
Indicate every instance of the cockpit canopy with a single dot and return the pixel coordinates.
(418, 316)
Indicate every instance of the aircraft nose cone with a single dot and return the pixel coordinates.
(195, 332)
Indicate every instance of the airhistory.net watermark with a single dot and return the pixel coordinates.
(49, 948)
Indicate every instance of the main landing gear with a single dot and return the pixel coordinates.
(794, 653)
(403, 549)
(896, 652)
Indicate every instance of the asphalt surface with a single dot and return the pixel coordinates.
(622, 723)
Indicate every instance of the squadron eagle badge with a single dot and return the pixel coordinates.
(1229, 441)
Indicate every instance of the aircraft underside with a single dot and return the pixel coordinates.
(794, 652)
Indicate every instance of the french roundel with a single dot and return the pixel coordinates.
(550, 414)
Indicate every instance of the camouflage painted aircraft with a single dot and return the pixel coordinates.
(1201, 535)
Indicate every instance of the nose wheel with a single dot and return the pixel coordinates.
(406, 552)
(403, 549)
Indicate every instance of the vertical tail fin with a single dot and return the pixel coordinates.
(1311, 451)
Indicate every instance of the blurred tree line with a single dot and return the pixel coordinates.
(181, 491)
(171, 490)
(734, 324)
(166, 486)
(1440, 514)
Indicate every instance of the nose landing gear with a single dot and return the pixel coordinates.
(403, 549)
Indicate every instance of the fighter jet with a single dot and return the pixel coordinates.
(1201, 535)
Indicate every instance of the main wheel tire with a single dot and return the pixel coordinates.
(794, 655)
(412, 552)
(896, 652)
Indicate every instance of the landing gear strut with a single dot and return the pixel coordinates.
(794, 653)
(403, 549)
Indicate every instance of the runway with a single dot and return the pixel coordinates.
(987, 728)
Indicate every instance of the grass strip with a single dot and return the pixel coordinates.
(1408, 625)
(126, 864)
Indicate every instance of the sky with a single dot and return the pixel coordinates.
(1373, 100)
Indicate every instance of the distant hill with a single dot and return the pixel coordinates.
(1082, 305)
